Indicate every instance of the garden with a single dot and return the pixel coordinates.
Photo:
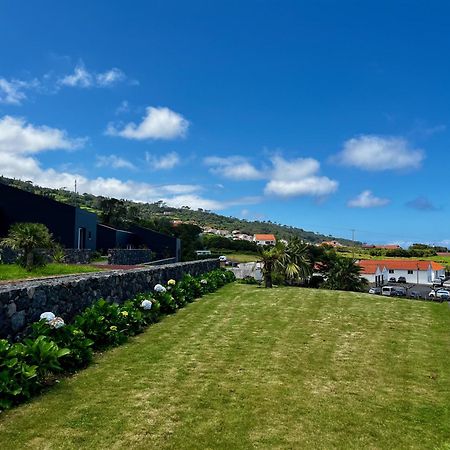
(51, 347)
(248, 367)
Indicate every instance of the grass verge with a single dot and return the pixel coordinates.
(16, 272)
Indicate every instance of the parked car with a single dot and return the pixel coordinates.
(388, 290)
(400, 291)
(401, 280)
(414, 294)
(375, 290)
(442, 294)
(392, 280)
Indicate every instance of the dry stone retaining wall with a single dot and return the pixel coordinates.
(21, 303)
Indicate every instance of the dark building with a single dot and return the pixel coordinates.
(72, 227)
(77, 228)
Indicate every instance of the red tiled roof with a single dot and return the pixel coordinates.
(264, 237)
(370, 266)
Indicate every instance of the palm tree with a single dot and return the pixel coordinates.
(27, 237)
(344, 275)
(290, 260)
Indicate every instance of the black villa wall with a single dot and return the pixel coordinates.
(62, 220)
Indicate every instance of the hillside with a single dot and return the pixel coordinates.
(150, 213)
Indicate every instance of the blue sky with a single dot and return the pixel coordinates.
(326, 115)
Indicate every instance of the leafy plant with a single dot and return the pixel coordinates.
(18, 379)
(44, 353)
(67, 336)
(28, 238)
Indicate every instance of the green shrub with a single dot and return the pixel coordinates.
(67, 336)
(104, 324)
(18, 379)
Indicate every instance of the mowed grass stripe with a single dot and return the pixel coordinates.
(253, 368)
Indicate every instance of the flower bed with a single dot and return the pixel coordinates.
(54, 347)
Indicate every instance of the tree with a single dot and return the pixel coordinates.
(289, 260)
(344, 275)
(28, 237)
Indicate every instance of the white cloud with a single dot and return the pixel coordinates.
(18, 136)
(164, 162)
(20, 142)
(114, 161)
(83, 78)
(233, 167)
(375, 153)
(298, 177)
(110, 77)
(366, 199)
(158, 123)
(79, 78)
(286, 178)
(13, 92)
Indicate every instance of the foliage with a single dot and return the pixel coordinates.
(344, 275)
(18, 378)
(28, 238)
(70, 337)
(214, 242)
(290, 261)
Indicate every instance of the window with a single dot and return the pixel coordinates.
(391, 270)
(410, 272)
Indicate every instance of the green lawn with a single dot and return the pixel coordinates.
(243, 257)
(252, 368)
(15, 272)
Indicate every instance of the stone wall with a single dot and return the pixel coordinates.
(77, 256)
(129, 257)
(8, 256)
(21, 303)
(71, 255)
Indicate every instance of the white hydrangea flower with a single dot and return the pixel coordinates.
(222, 258)
(159, 288)
(146, 304)
(203, 281)
(48, 316)
(57, 322)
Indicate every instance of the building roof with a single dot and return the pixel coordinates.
(369, 266)
(265, 237)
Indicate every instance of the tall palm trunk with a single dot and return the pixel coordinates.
(268, 274)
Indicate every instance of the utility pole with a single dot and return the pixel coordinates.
(353, 242)
(76, 203)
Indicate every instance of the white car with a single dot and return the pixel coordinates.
(375, 290)
(440, 293)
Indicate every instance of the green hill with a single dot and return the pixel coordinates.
(159, 216)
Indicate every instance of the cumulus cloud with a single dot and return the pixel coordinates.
(18, 136)
(158, 123)
(286, 178)
(13, 92)
(298, 177)
(21, 142)
(376, 153)
(366, 199)
(164, 162)
(83, 78)
(114, 161)
(422, 204)
(233, 167)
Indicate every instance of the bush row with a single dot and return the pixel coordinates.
(53, 347)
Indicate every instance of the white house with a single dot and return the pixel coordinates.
(264, 239)
(414, 271)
